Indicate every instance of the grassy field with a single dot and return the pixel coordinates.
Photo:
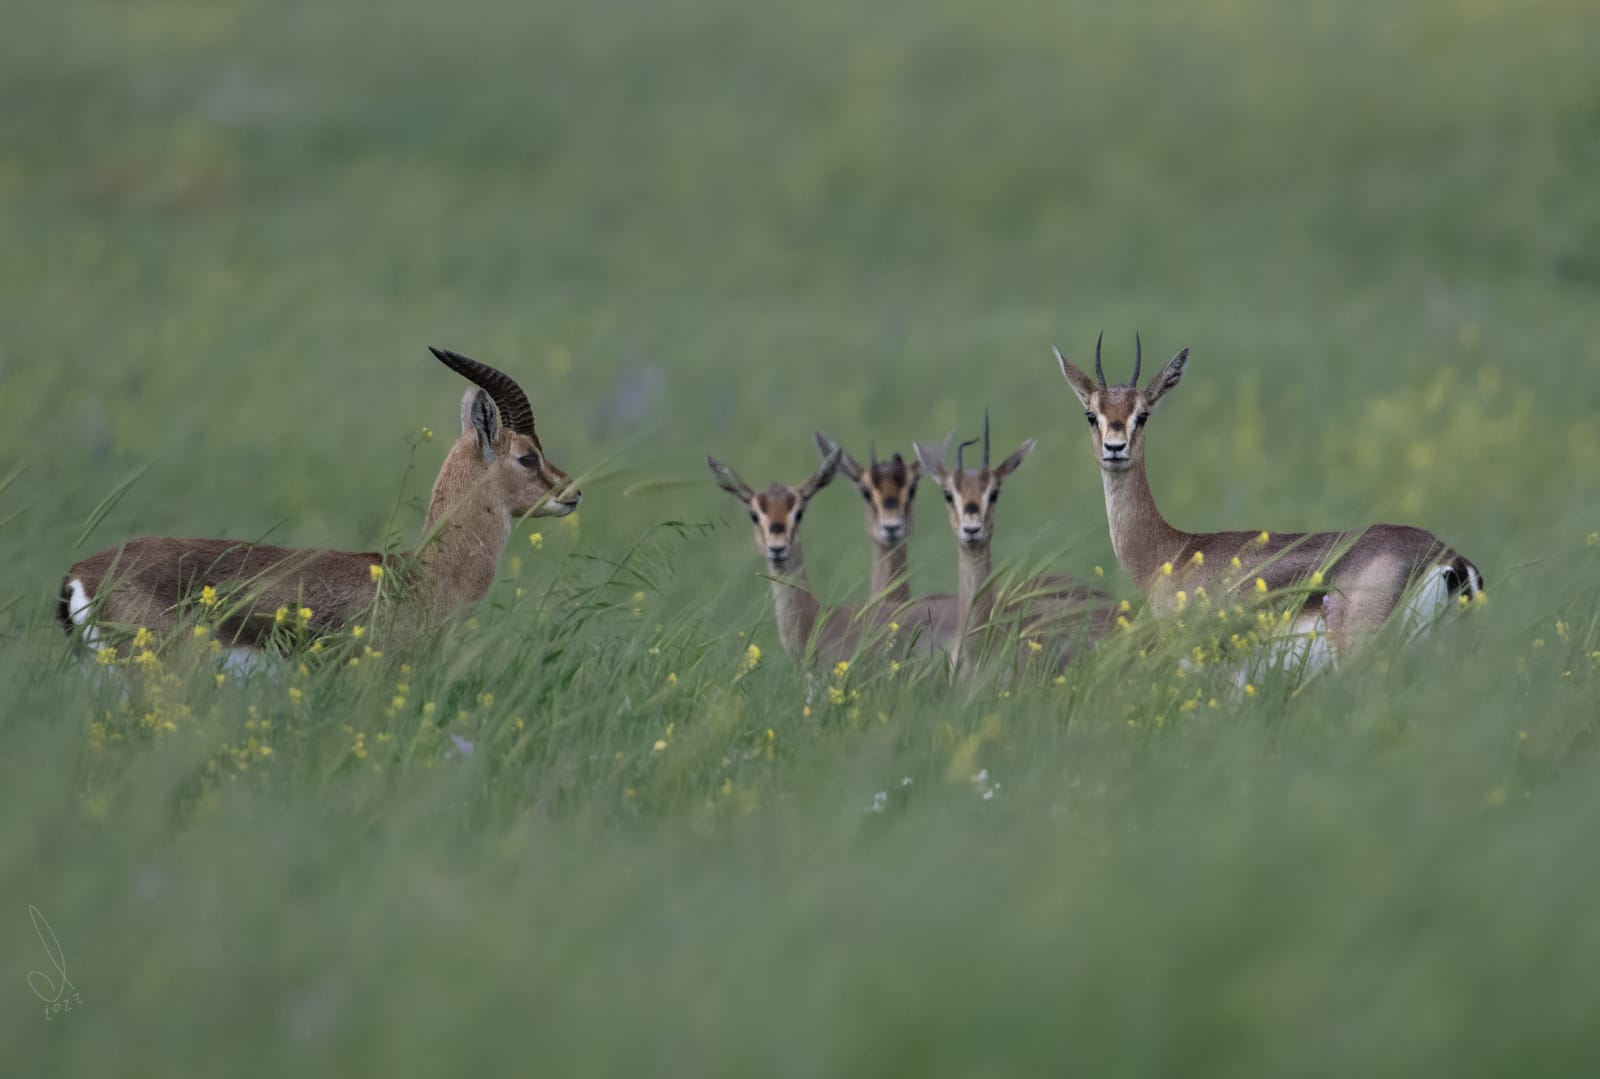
(607, 827)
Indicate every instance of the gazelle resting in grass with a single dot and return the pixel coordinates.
(889, 489)
(495, 473)
(776, 514)
(1052, 611)
(1353, 580)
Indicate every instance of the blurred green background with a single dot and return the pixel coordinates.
(229, 232)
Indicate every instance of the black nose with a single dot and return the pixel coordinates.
(1115, 447)
(778, 551)
(893, 532)
(971, 530)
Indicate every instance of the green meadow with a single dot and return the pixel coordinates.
(605, 825)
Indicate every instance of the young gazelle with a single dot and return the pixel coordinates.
(1354, 580)
(495, 473)
(1051, 609)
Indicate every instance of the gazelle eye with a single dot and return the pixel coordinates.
(950, 498)
(529, 460)
(798, 514)
(994, 496)
(866, 494)
(1090, 417)
(1143, 418)
(754, 518)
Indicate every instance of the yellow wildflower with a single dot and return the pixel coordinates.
(1124, 607)
(1316, 577)
(894, 627)
(659, 746)
(1099, 571)
(536, 540)
(208, 596)
(835, 695)
(1249, 690)
(143, 638)
(672, 678)
(1264, 538)
(1123, 623)
(806, 711)
(106, 656)
(894, 666)
(771, 735)
(752, 656)
(841, 668)
(1199, 558)
(1061, 679)
(1183, 599)
(1261, 585)
(427, 434)
(358, 632)
(221, 678)
(280, 615)
(316, 646)
(486, 700)
(1035, 646)
(1166, 569)
(1235, 563)
(376, 572)
(296, 695)
(199, 631)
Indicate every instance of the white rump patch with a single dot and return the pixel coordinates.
(243, 660)
(78, 609)
(1429, 599)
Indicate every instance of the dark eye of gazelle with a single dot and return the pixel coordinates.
(1090, 417)
(949, 497)
(1143, 418)
(866, 494)
(529, 460)
(754, 518)
(994, 496)
(798, 514)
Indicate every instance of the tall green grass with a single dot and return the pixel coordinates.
(606, 826)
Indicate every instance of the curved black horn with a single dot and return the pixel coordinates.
(1138, 357)
(969, 442)
(1101, 375)
(874, 451)
(515, 412)
(986, 438)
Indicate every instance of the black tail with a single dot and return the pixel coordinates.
(64, 608)
(1462, 577)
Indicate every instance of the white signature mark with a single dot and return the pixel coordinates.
(53, 993)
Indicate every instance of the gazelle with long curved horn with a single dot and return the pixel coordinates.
(1047, 608)
(1353, 580)
(494, 474)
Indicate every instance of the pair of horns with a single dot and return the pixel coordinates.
(1138, 358)
(972, 441)
(515, 412)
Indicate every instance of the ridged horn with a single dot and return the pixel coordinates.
(986, 438)
(1138, 357)
(515, 412)
(1099, 374)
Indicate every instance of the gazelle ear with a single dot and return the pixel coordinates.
(1081, 384)
(847, 464)
(823, 475)
(479, 415)
(1170, 376)
(1012, 463)
(728, 480)
(932, 459)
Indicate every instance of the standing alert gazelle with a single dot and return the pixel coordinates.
(1053, 609)
(889, 489)
(495, 473)
(1353, 580)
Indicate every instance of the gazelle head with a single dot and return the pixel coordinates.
(776, 512)
(497, 433)
(1118, 414)
(889, 489)
(970, 494)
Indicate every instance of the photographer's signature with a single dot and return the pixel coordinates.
(58, 996)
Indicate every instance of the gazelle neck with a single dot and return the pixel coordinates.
(793, 604)
(891, 574)
(974, 599)
(1140, 536)
(465, 532)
